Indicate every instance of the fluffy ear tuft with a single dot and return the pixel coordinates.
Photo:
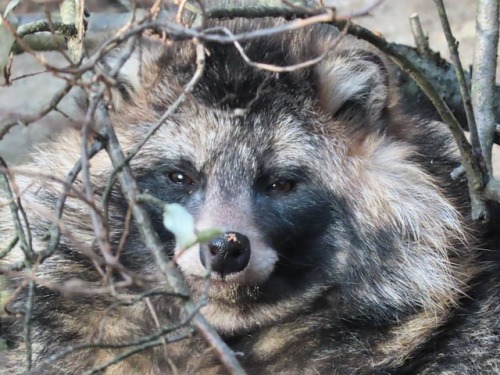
(353, 81)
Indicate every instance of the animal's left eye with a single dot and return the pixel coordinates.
(180, 178)
(282, 186)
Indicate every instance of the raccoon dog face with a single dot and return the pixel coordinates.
(258, 178)
(316, 194)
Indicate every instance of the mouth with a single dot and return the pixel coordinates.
(227, 290)
(214, 282)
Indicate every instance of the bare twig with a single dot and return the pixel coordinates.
(41, 42)
(289, 68)
(23, 76)
(55, 231)
(421, 40)
(484, 69)
(72, 15)
(15, 208)
(21, 43)
(9, 247)
(23, 234)
(99, 224)
(464, 90)
(27, 325)
(209, 35)
(42, 25)
(260, 12)
(8, 124)
(128, 353)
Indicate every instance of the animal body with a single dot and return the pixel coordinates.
(346, 246)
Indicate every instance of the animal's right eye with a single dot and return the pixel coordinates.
(180, 178)
(281, 186)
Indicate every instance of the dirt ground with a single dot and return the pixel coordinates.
(391, 19)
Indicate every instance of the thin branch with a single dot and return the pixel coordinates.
(10, 246)
(41, 42)
(27, 324)
(464, 89)
(131, 352)
(8, 124)
(27, 75)
(262, 11)
(72, 14)
(43, 25)
(14, 210)
(289, 68)
(100, 227)
(23, 234)
(483, 74)
(21, 43)
(55, 231)
(421, 40)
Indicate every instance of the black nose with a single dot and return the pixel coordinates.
(228, 253)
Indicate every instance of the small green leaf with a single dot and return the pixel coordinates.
(180, 222)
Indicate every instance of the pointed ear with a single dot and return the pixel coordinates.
(353, 81)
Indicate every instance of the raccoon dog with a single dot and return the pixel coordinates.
(346, 247)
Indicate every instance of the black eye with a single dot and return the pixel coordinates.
(282, 186)
(180, 178)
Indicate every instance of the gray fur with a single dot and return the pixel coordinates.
(369, 265)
